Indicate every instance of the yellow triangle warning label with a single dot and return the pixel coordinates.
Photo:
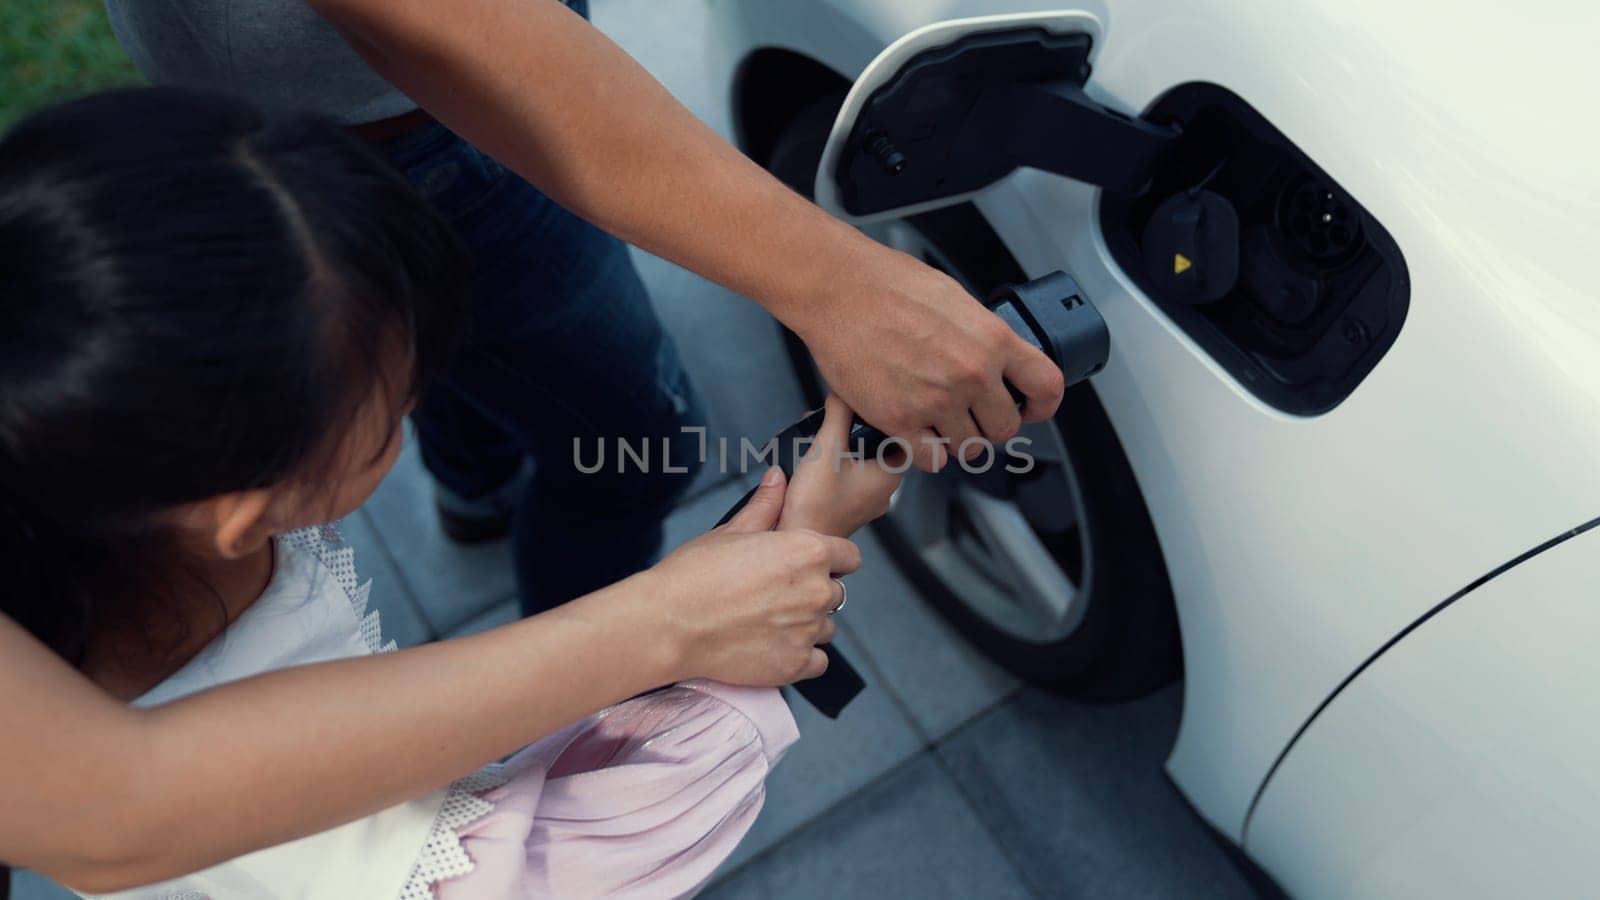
(1180, 264)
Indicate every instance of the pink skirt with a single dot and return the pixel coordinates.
(645, 799)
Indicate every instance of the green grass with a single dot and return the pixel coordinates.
(54, 49)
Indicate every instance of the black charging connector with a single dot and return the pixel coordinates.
(1051, 313)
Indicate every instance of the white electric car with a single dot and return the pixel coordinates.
(1346, 452)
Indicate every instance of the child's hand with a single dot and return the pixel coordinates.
(834, 494)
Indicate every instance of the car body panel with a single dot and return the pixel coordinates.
(1467, 741)
(1298, 546)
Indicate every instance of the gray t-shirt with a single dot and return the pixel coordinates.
(274, 52)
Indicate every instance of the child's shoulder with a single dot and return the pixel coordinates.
(336, 560)
(314, 609)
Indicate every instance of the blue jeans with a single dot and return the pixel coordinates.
(563, 347)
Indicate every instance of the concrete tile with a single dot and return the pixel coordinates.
(833, 759)
(910, 835)
(1076, 795)
(733, 352)
(939, 677)
(449, 582)
(503, 614)
(402, 621)
(26, 885)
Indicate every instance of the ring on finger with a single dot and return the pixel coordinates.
(844, 595)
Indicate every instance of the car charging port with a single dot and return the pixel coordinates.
(1320, 290)
(1245, 242)
(1319, 220)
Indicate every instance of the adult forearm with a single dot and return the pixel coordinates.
(550, 96)
(228, 771)
(533, 84)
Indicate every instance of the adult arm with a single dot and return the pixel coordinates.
(102, 796)
(546, 93)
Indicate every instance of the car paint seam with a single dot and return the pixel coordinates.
(1261, 789)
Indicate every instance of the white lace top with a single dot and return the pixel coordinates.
(315, 611)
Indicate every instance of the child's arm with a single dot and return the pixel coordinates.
(103, 797)
(835, 494)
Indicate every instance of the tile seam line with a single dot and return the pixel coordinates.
(874, 782)
(924, 739)
(967, 800)
(811, 822)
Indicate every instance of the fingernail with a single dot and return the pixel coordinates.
(772, 476)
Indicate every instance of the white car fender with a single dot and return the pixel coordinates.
(1297, 546)
(1473, 738)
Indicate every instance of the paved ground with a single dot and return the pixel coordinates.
(945, 779)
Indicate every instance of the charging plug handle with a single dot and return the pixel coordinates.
(1051, 313)
(955, 119)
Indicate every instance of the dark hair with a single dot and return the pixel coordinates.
(193, 295)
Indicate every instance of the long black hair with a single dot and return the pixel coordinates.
(193, 297)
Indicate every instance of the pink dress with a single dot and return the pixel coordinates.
(644, 799)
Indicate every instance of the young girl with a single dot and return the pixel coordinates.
(211, 325)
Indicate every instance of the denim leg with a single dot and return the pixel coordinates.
(467, 452)
(564, 353)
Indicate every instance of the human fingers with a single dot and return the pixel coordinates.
(1031, 372)
(834, 555)
(837, 418)
(765, 506)
(817, 664)
(927, 450)
(997, 416)
(961, 433)
(826, 629)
